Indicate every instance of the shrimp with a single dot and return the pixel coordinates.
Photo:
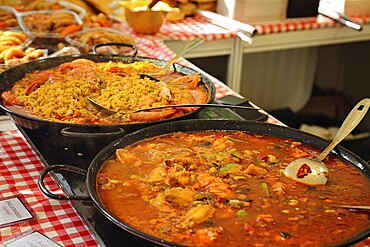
(78, 63)
(165, 90)
(9, 98)
(39, 79)
(191, 80)
(200, 96)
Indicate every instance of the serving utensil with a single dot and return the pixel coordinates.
(108, 111)
(192, 44)
(313, 171)
(152, 3)
(327, 9)
(354, 207)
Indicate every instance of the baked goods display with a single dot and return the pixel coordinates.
(50, 22)
(32, 29)
(7, 17)
(183, 8)
(14, 49)
(86, 39)
(175, 9)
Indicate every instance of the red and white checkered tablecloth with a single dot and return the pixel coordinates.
(186, 29)
(300, 24)
(156, 48)
(19, 171)
(192, 27)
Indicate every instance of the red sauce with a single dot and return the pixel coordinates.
(227, 189)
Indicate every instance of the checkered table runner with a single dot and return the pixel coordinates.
(156, 48)
(300, 24)
(187, 29)
(192, 27)
(19, 171)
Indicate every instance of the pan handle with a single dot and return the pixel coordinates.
(95, 47)
(68, 132)
(65, 168)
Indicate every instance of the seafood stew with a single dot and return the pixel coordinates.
(59, 93)
(226, 188)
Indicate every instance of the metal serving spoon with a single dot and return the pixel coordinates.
(312, 171)
(111, 112)
(354, 207)
(192, 44)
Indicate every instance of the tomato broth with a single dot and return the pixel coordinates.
(227, 188)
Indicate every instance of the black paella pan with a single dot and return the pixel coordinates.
(83, 140)
(195, 125)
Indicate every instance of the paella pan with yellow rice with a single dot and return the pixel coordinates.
(48, 97)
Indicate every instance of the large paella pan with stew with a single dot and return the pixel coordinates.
(221, 183)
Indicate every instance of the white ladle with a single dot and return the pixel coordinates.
(313, 171)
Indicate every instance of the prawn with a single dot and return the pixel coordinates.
(67, 118)
(39, 79)
(191, 80)
(9, 98)
(78, 63)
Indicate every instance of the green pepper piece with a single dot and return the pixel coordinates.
(242, 213)
(265, 188)
(227, 167)
(235, 153)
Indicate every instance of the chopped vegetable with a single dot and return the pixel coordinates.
(303, 171)
(293, 202)
(271, 158)
(265, 188)
(227, 167)
(235, 140)
(235, 153)
(242, 213)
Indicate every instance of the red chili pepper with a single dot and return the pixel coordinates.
(58, 116)
(303, 171)
(264, 157)
(249, 229)
(220, 199)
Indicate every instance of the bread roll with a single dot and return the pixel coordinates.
(188, 8)
(175, 15)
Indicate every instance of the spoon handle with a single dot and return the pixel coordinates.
(355, 207)
(199, 105)
(187, 47)
(152, 3)
(351, 121)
